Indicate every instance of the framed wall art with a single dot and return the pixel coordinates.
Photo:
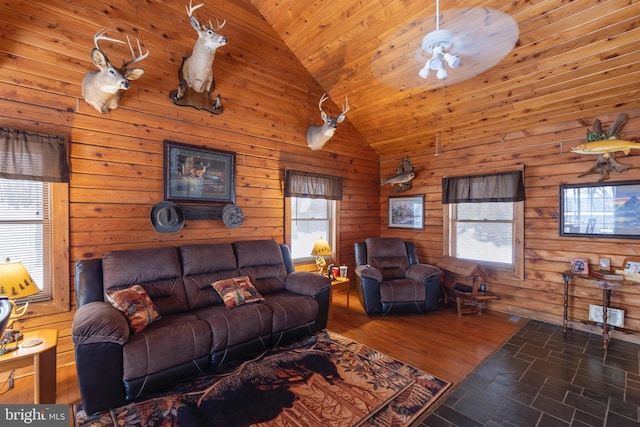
(600, 210)
(406, 212)
(198, 175)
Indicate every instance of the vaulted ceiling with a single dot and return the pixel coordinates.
(571, 60)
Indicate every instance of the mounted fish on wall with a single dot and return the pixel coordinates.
(604, 143)
(195, 73)
(403, 177)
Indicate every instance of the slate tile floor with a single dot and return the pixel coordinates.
(541, 377)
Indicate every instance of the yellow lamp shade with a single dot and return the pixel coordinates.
(321, 248)
(15, 281)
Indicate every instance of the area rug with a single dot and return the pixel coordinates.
(324, 380)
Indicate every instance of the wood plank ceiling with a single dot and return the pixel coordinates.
(572, 60)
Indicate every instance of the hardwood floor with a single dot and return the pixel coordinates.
(441, 343)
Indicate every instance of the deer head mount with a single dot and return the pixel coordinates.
(317, 136)
(196, 74)
(101, 89)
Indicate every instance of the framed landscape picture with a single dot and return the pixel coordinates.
(198, 175)
(406, 212)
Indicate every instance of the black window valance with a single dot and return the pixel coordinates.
(493, 187)
(33, 156)
(312, 185)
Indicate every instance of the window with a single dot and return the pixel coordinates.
(484, 220)
(34, 213)
(310, 211)
(309, 220)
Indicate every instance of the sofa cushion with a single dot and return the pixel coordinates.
(240, 325)
(157, 270)
(171, 341)
(136, 306)
(130, 267)
(204, 264)
(402, 290)
(262, 261)
(389, 256)
(291, 310)
(237, 291)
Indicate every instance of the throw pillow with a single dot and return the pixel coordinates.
(136, 305)
(237, 291)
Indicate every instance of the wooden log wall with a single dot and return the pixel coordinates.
(117, 158)
(544, 152)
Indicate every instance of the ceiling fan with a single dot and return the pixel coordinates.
(471, 41)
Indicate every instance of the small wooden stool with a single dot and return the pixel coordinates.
(467, 297)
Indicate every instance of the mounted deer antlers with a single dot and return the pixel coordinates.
(195, 72)
(101, 89)
(317, 136)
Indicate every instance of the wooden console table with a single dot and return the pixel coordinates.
(607, 285)
(467, 297)
(43, 358)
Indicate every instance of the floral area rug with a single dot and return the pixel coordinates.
(324, 380)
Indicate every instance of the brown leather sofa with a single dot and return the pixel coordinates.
(391, 279)
(195, 331)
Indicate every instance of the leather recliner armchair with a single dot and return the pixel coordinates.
(390, 278)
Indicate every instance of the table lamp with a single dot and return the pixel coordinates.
(15, 282)
(320, 250)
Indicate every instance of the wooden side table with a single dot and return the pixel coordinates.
(43, 358)
(339, 281)
(607, 287)
(468, 298)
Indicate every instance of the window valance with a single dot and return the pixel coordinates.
(493, 187)
(33, 156)
(312, 185)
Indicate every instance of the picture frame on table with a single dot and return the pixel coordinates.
(406, 212)
(631, 267)
(194, 174)
(580, 266)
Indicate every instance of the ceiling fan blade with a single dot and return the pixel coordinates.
(481, 37)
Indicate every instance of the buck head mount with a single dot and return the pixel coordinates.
(317, 136)
(196, 72)
(101, 89)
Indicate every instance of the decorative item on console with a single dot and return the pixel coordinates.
(402, 179)
(166, 217)
(317, 136)
(195, 73)
(604, 143)
(320, 250)
(101, 89)
(15, 282)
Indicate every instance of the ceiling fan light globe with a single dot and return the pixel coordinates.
(442, 73)
(452, 60)
(424, 71)
(435, 63)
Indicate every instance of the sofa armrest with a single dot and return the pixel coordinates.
(306, 283)
(99, 322)
(368, 272)
(422, 272)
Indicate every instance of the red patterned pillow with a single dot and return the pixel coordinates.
(237, 291)
(136, 305)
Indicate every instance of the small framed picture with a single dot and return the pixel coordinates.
(631, 267)
(579, 266)
(406, 212)
(605, 264)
